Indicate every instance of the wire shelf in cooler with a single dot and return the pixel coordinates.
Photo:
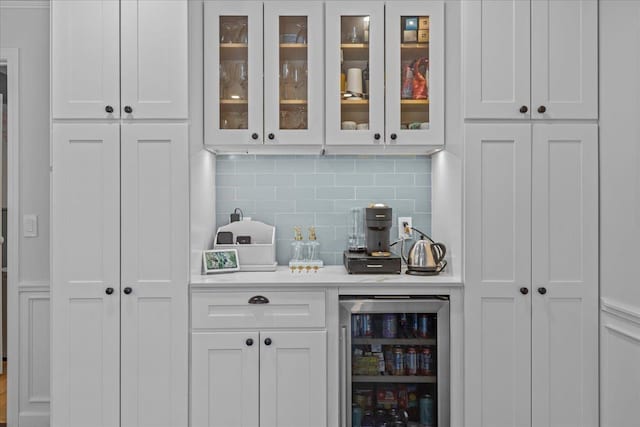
(412, 379)
(394, 341)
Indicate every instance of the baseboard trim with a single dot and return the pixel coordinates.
(621, 311)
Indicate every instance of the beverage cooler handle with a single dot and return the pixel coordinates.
(343, 376)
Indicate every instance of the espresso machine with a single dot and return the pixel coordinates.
(377, 256)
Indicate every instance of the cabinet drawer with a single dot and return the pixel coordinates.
(221, 310)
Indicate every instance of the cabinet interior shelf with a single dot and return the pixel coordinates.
(354, 46)
(293, 46)
(414, 102)
(354, 102)
(293, 102)
(394, 379)
(233, 45)
(394, 341)
(234, 101)
(414, 45)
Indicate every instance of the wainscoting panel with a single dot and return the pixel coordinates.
(619, 369)
(34, 386)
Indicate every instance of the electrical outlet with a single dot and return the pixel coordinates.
(403, 223)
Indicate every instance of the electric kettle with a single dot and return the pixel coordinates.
(426, 257)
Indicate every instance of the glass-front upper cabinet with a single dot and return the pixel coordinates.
(293, 72)
(354, 73)
(414, 73)
(233, 72)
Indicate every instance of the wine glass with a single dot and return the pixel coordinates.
(242, 74)
(225, 80)
(243, 36)
(286, 76)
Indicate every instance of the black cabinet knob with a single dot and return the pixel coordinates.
(524, 291)
(108, 291)
(524, 109)
(267, 341)
(542, 109)
(127, 290)
(542, 291)
(254, 136)
(128, 109)
(258, 299)
(249, 342)
(271, 136)
(376, 136)
(394, 136)
(108, 109)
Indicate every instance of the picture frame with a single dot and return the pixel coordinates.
(220, 261)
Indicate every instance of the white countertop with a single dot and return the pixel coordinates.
(334, 275)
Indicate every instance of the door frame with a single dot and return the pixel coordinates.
(10, 58)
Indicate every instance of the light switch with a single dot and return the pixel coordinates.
(30, 226)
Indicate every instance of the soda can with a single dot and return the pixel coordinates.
(398, 361)
(366, 325)
(414, 324)
(411, 362)
(355, 325)
(426, 361)
(356, 415)
(388, 360)
(403, 325)
(423, 326)
(426, 411)
(389, 326)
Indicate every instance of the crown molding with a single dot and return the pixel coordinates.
(23, 4)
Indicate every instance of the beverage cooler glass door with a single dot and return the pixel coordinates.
(394, 361)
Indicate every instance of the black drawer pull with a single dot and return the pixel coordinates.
(258, 299)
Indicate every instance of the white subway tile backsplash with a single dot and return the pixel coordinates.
(319, 191)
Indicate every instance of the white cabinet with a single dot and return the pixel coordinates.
(85, 275)
(274, 376)
(119, 275)
(399, 51)
(278, 102)
(531, 274)
(531, 59)
(94, 43)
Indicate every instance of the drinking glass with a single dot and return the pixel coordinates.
(286, 77)
(301, 37)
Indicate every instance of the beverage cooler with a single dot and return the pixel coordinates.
(394, 361)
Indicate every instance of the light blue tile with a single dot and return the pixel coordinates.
(417, 193)
(331, 218)
(314, 180)
(256, 193)
(267, 218)
(336, 165)
(283, 251)
(314, 206)
(423, 180)
(227, 206)
(375, 193)
(295, 193)
(261, 165)
(274, 180)
(275, 206)
(295, 165)
(225, 180)
(343, 207)
(333, 245)
(323, 233)
(402, 207)
(334, 193)
(225, 193)
(375, 166)
(225, 166)
(394, 179)
(420, 164)
(330, 258)
(292, 219)
(354, 179)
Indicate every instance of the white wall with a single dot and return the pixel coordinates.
(28, 29)
(620, 211)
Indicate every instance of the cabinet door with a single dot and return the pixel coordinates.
(155, 57)
(293, 378)
(155, 263)
(233, 84)
(564, 59)
(496, 59)
(414, 54)
(565, 264)
(224, 384)
(85, 275)
(354, 102)
(294, 76)
(498, 275)
(85, 59)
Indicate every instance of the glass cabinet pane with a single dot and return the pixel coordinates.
(234, 72)
(293, 84)
(354, 73)
(414, 72)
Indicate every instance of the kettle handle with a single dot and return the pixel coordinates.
(441, 267)
(439, 251)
